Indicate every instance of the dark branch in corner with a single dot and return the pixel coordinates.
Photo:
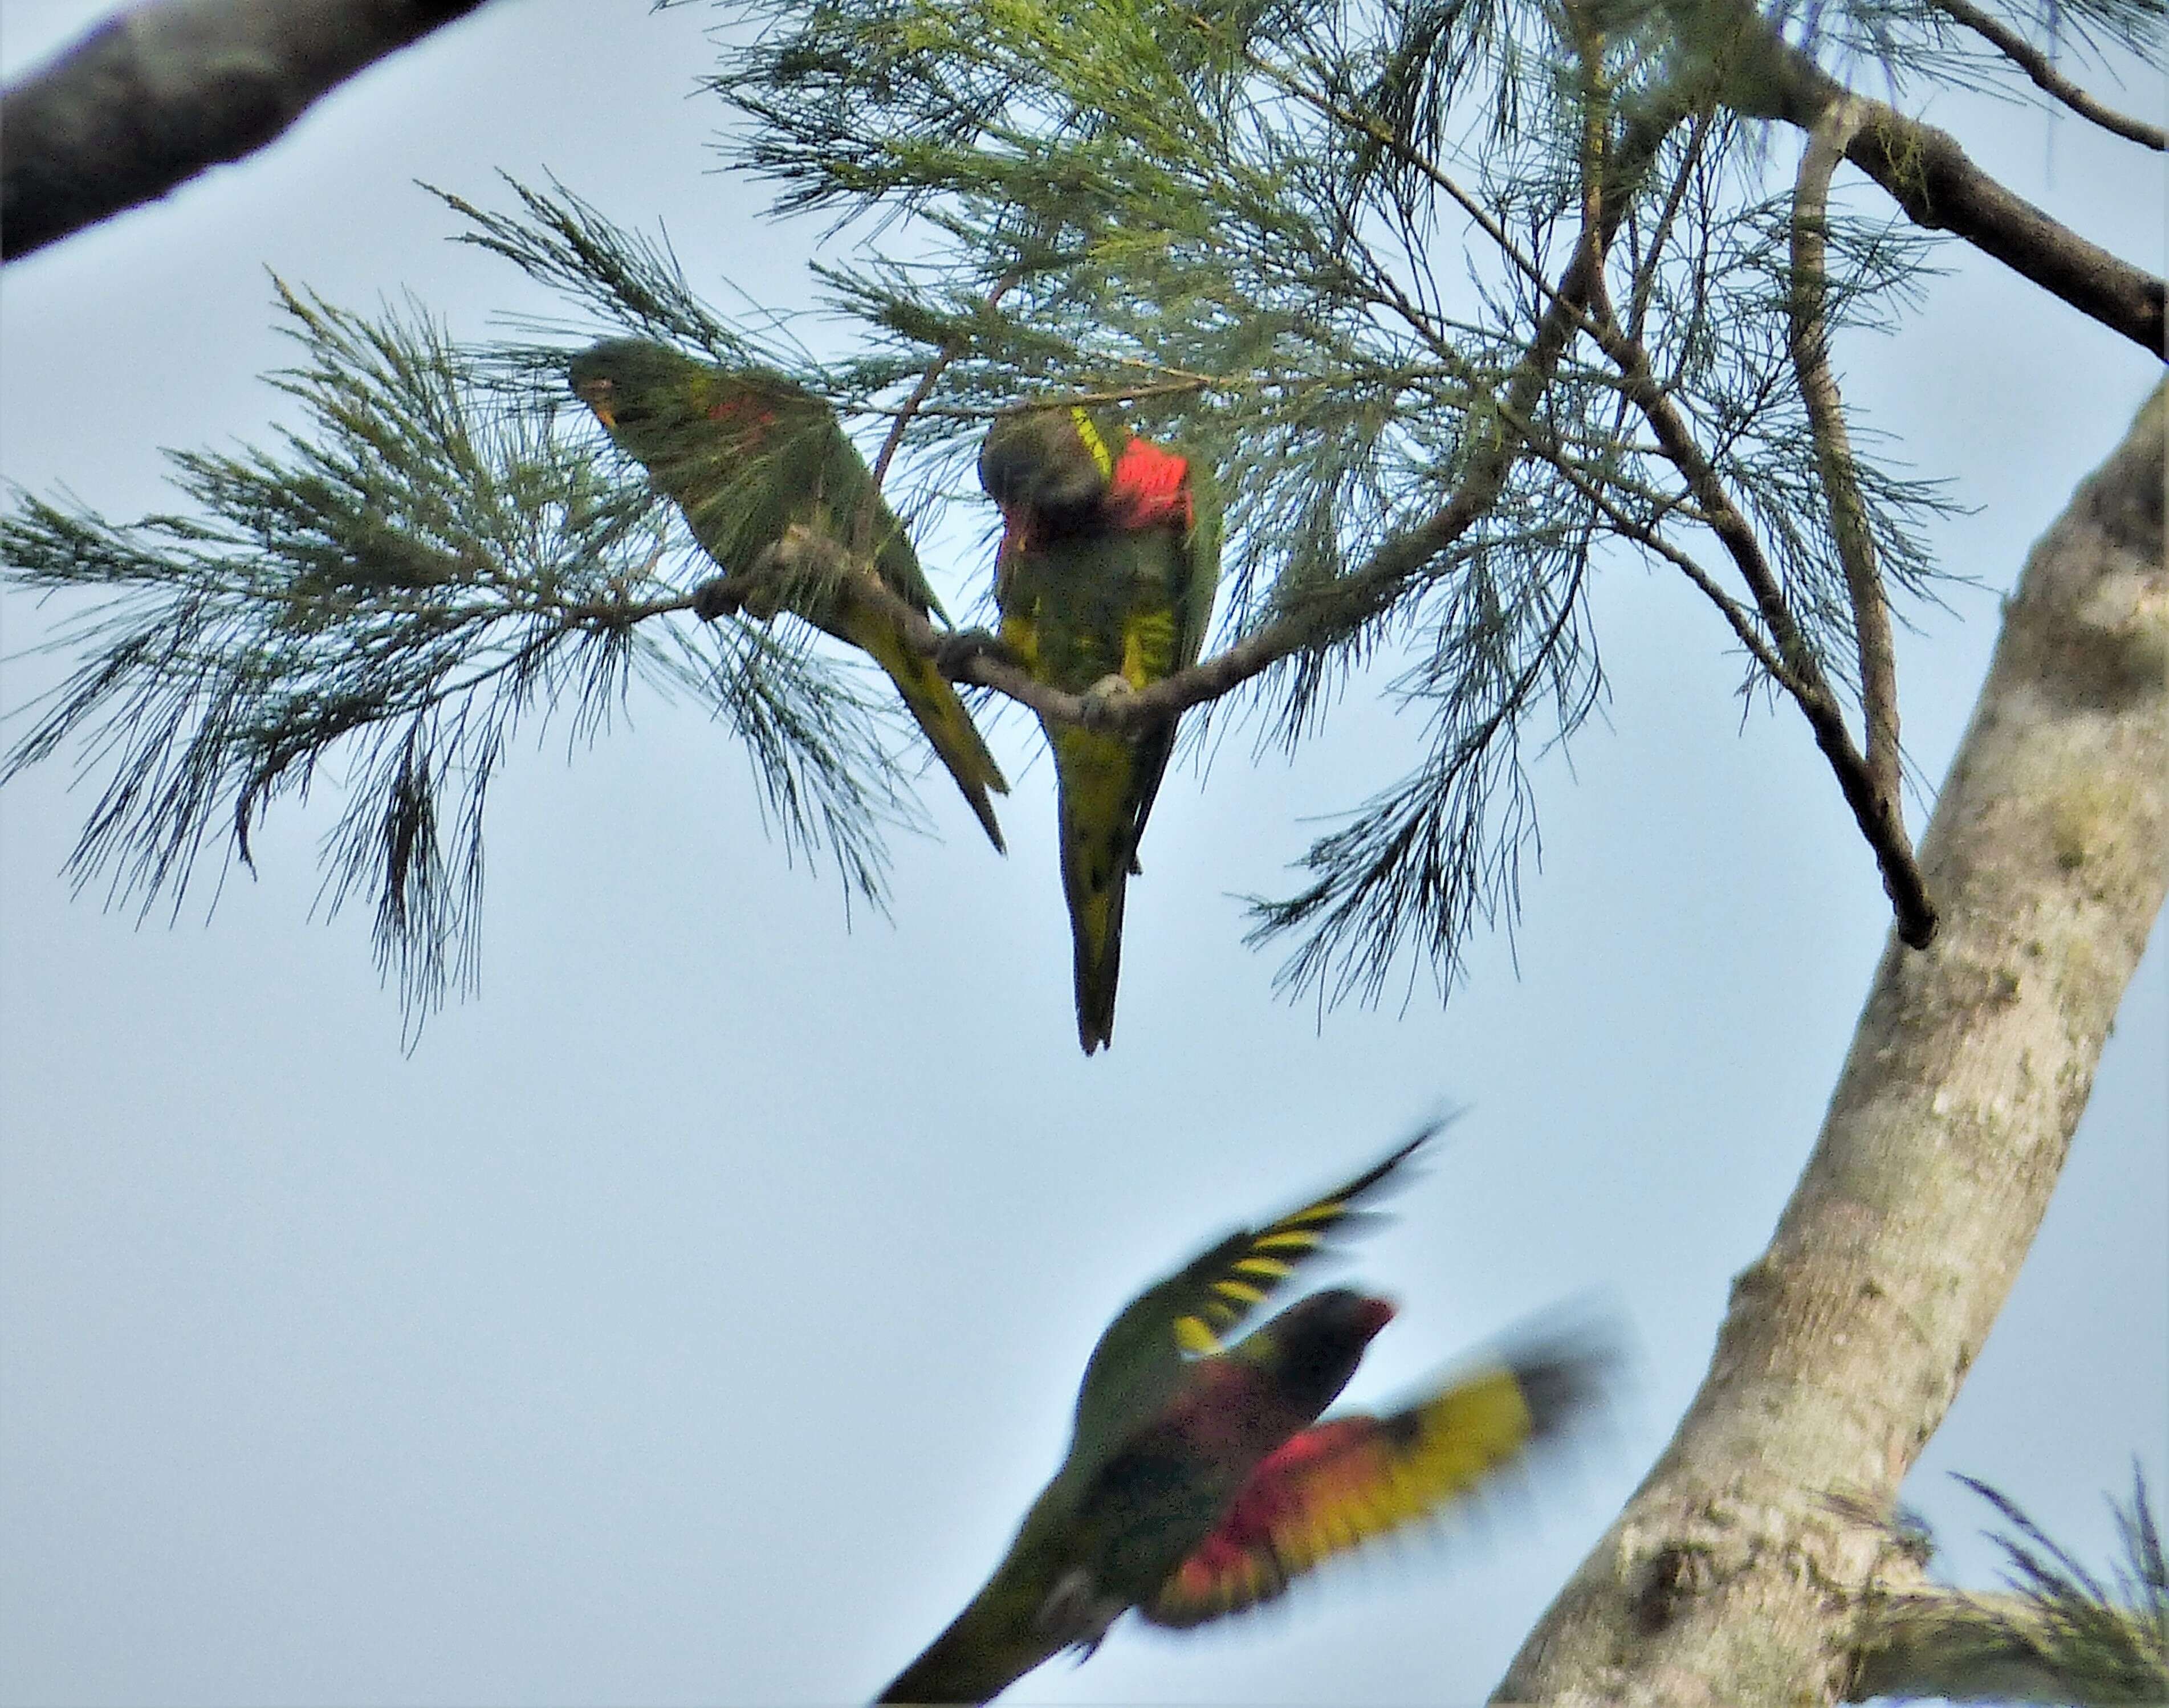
(161, 92)
(1929, 175)
(2035, 64)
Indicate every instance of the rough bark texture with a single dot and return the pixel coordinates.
(1739, 1572)
(160, 92)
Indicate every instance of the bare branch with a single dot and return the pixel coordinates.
(1848, 511)
(2035, 64)
(163, 91)
(1938, 186)
(1881, 824)
(1929, 175)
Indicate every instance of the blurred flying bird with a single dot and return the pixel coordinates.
(1199, 1480)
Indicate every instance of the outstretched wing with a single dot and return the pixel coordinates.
(1139, 1359)
(1346, 1480)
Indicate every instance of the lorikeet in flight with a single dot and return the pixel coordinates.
(1199, 1481)
(746, 455)
(1110, 557)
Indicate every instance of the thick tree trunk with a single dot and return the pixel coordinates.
(1748, 1565)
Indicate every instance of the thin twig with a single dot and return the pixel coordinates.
(924, 388)
(1646, 280)
(2036, 65)
(1382, 133)
(1811, 690)
(862, 523)
(1734, 613)
(1848, 510)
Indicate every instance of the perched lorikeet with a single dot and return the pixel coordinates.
(1199, 1482)
(747, 455)
(1110, 557)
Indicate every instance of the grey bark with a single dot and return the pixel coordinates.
(1747, 1568)
(160, 92)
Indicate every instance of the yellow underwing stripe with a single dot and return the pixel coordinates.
(1225, 1285)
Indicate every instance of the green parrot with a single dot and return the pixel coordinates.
(748, 455)
(1199, 1481)
(1109, 557)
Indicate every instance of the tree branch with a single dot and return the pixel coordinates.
(2035, 64)
(1732, 1575)
(1929, 176)
(1981, 1648)
(163, 91)
(1877, 814)
(1848, 510)
(1926, 171)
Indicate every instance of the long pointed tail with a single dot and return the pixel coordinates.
(933, 701)
(988, 1648)
(1096, 774)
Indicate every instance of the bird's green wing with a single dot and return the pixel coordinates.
(1200, 549)
(1198, 574)
(1138, 1361)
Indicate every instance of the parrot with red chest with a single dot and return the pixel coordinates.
(1199, 1479)
(1109, 561)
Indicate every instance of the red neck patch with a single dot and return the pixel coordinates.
(1151, 488)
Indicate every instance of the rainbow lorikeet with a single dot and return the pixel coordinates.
(1199, 1481)
(748, 455)
(1109, 557)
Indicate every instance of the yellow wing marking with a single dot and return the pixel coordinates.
(1342, 1482)
(1094, 442)
(1147, 647)
(1221, 1287)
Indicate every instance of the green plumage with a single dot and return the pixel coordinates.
(747, 455)
(1110, 559)
(1162, 1438)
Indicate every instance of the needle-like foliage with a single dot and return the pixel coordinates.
(1466, 302)
(389, 593)
(2056, 1632)
(1326, 242)
(2106, 1641)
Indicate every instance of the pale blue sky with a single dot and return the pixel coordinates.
(691, 1316)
